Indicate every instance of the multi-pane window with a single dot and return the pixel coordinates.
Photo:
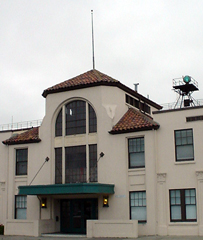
(184, 145)
(58, 125)
(21, 161)
(75, 164)
(183, 205)
(92, 120)
(75, 119)
(93, 163)
(136, 152)
(58, 165)
(20, 207)
(138, 207)
(80, 161)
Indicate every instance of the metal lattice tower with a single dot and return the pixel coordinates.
(185, 86)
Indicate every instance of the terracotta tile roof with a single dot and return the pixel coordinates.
(30, 136)
(94, 78)
(134, 121)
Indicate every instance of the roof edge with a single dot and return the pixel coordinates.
(104, 83)
(134, 130)
(22, 142)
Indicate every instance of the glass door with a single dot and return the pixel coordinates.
(75, 213)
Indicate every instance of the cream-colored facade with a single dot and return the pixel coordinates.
(133, 191)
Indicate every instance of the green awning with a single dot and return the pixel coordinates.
(70, 188)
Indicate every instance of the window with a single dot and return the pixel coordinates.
(75, 164)
(58, 125)
(75, 119)
(20, 207)
(58, 165)
(21, 161)
(138, 206)
(184, 145)
(92, 120)
(136, 152)
(93, 162)
(75, 158)
(183, 205)
(142, 106)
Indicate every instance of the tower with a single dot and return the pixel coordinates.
(185, 86)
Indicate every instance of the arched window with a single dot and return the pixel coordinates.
(76, 162)
(78, 115)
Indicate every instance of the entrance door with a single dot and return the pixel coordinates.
(75, 212)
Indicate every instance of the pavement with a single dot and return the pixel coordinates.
(85, 238)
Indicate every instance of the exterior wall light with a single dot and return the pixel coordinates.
(44, 203)
(105, 201)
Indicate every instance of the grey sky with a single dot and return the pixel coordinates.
(44, 42)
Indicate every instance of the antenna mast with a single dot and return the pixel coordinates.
(92, 42)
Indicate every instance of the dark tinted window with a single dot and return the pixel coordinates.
(92, 120)
(58, 165)
(21, 161)
(93, 162)
(75, 164)
(75, 118)
(58, 125)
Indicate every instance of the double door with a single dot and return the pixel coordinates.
(75, 212)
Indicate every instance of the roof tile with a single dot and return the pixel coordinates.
(30, 136)
(134, 121)
(89, 78)
(94, 78)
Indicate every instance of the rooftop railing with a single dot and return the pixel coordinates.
(174, 105)
(20, 125)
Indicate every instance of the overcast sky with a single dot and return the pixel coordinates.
(45, 42)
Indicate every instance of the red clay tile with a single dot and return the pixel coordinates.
(30, 136)
(134, 121)
(89, 78)
(94, 78)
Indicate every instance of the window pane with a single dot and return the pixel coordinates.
(185, 152)
(21, 213)
(189, 140)
(137, 160)
(139, 213)
(176, 212)
(191, 212)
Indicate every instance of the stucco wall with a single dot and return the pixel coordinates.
(178, 175)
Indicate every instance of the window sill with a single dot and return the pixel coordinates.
(20, 177)
(136, 169)
(142, 222)
(183, 224)
(185, 162)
